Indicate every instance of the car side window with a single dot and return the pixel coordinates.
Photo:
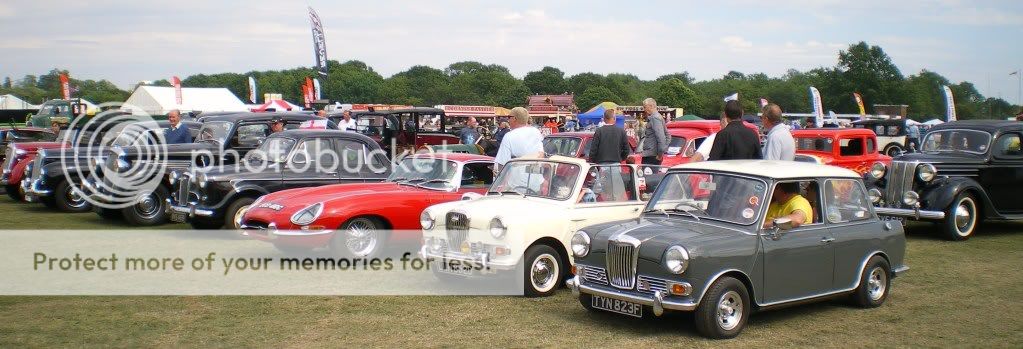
(251, 135)
(613, 183)
(1009, 146)
(851, 146)
(871, 145)
(845, 200)
(807, 190)
(477, 175)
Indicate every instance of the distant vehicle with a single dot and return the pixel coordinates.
(573, 144)
(892, 136)
(19, 146)
(408, 129)
(851, 148)
(63, 111)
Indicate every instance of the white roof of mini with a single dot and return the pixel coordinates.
(771, 168)
(557, 158)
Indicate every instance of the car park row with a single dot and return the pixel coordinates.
(625, 238)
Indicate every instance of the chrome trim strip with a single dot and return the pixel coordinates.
(915, 213)
(300, 232)
(577, 288)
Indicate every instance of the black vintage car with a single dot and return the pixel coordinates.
(223, 139)
(56, 175)
(966, 172)
(406, 129)
(218, 197)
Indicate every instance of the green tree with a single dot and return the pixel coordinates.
(7, 82)
(548, 80)
(594, 95)
(580, 82)
(870, 70)
(425, 85)
(675, 93)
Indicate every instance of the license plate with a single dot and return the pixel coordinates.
(177, 217)
(458, 269)
(892, 219)
(617, 306)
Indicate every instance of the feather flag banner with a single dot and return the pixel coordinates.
(950, 105)
(818, 107)
(252, 90)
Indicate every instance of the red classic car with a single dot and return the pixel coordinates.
(18, 156)
(851, 148)
(572, 144)
(350, 218)
(686, 137)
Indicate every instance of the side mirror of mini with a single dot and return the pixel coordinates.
(783, 223)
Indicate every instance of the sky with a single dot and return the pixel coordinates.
(130, 41)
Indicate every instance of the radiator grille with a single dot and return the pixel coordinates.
(621, 264)
(900, 179)
(457, 227)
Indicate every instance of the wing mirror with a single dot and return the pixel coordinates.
(780, 225)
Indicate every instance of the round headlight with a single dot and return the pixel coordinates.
(874, 195)
(174, 176)
(426, 220)
(307, 215)
(497, 228)
(580, 244)
(926, 172)
(877, 170)
(910, 198)
(676, 259)
(201, 179)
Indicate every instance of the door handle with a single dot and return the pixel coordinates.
(827, 240)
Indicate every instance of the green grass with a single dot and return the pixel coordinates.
(955, 295)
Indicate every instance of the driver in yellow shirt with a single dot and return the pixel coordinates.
(787, 203)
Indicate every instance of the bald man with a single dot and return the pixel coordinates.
(778, 144)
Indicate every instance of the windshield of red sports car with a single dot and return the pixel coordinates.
(425, 173)
(544, 179)
(720, 197)
(970, 141)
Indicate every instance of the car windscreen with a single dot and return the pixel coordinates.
(716, 196)
(970, 141)
(425, 172)
(545, 179)
(214, 131)
(564, 146)
(274, 149)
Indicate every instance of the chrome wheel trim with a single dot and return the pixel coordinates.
(877, 284)
(74, 199)
(729, 310)
(543, 272)
(361, 237)
(148, 206)
(237, 221)
(965, 216)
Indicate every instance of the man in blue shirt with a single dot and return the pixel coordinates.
(176, 133)
(469, 134)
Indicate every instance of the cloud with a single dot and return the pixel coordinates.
(736, 43)
(6, 11)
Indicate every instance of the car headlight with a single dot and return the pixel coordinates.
(200, 178)
(926, 172)
(307, 215)
(497, 228)
(877, 170)
(910, 198)
(426, 220)
(174, 176)
(580, 244)
(874, 195)
(676, 259)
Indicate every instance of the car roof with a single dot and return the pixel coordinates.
(578, 134)
(777, 169)
(248, 116)
(556, 158)
(831, 132)
(990, 126)
(301, 133)
(460, 157)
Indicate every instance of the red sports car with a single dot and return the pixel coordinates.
(18, 156)
(851, 148)
(351, 219)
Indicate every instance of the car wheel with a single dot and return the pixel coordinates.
(875, 282)
(14, 191)
(68, 199)
(543, 271)
(359, 237)
(724, 310)
(961, 218)
(202, 223)
(235, 211)
(894, 151)
(107, 213)
(151, 209)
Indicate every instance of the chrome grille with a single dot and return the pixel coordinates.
(8, 161)
(37, 167)
(649, 285)
(457, 227)
(621, 264)
(900, 179)
(594, 274)
(184, 181)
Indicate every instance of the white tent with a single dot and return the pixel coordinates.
(912, 122)
(13, 102)
(158, 100)
(933, 122)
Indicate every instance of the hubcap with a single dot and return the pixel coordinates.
(877, 284)
(74, 199)
(965, 217)
(148, 206)
(238, 216)
(362, 238)
(729, 310)
(544, 272)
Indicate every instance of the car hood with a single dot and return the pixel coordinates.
(31, 146)
(511, 208)
(943, 157)
(179, 149)
(658, 233)
(336, 192)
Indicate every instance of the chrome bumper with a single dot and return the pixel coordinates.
(914, 213)
(191, 210)
(32, 188)
(481, 258)
(657, 301)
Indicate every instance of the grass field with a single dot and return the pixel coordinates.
(955, 295)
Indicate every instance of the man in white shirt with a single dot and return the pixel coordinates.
(778, 145)
(703, 151)
(346, 123)
(521, 141)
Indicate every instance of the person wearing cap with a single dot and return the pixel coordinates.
(276, 124)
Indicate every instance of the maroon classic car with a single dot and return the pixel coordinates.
(572, 144)
(407, 129)
(349, 219)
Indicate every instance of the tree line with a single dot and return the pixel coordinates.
(861, 68)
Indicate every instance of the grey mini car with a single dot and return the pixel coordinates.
(722, 239)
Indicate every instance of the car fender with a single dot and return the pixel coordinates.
(942, 192)
(18, 171)
(57, 170)
(243, 190)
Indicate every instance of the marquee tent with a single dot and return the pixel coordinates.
(158, 100)
(13, 102)
(276, 105)
(594, 116)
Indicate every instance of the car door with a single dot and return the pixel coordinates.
(1003, 177)
(313, 162)
(798, 263)
(608, 194)
(359, 164)
(852, 225)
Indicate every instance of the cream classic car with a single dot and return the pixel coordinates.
(529, 216)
